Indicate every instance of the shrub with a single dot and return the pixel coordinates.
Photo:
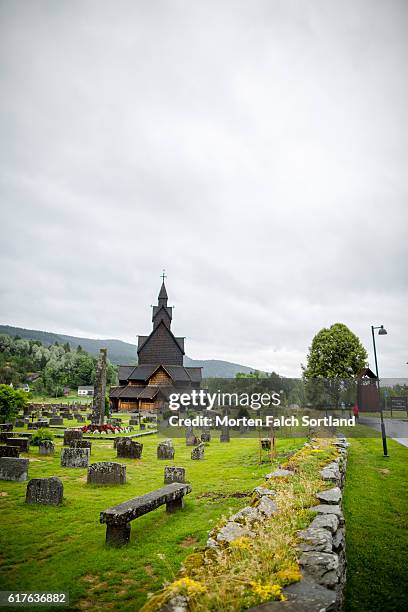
(39, 436)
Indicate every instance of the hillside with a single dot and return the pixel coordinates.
(123, 352)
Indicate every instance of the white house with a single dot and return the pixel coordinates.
(85, 391)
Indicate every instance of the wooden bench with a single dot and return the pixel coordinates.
(118, 517)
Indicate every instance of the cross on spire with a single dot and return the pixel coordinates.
(163, 275)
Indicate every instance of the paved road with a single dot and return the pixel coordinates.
(397, 429)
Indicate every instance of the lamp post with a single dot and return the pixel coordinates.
(381, 332)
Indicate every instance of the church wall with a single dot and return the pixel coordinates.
(161, 348)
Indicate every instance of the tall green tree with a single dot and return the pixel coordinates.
(335, 352)
(335, 355)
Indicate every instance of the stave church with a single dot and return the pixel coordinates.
(160, 370)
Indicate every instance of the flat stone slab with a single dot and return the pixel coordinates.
(106, 472)
(279, 473)
(261, 491)
(231, 531)
(266, 506)
(321, 566)
(249, 513)
(132, 509)
(331, 496)
(47, 491)
(14, 469)
(316, 539)
(325, 521)
(329, 509)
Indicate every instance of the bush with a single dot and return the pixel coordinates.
(39, 436)
(11, 401)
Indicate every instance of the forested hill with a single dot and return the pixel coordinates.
(122, 352)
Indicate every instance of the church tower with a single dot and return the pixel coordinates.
(160, 370)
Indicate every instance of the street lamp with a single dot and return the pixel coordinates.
(381, 332)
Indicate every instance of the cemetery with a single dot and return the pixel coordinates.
(119, 512)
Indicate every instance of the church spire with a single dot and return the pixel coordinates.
(162, 312)
(163, 293)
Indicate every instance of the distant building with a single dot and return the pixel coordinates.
(85, 391)
(24, 387)
(160, 370)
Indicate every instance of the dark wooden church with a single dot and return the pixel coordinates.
(160, 370)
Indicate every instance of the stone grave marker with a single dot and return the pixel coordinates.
(81, 444)
(20, 423)
(174, 474)
(47, 491)
(75, 457)
(56, 420)
(106, 472)
(198, 452)
(22, 443)
(165, 450)
(12, 468)
(72, 434)
(10, 451)
(225, 434)
(127, 448)
(46, 447)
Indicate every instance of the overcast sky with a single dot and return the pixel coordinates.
(257, 150)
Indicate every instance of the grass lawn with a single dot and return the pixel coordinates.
(376, 511)
(63, 549)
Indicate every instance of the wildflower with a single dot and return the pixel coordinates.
(289, 575)
(242, 543)
(268, 591)
(187, 585)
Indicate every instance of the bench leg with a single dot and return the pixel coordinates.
(117, 535)
(176, 504)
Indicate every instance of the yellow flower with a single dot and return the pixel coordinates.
(289, 575)
(242, 543)
(268, 591)
(191, 587)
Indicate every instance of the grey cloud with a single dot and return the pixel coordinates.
(257, 150)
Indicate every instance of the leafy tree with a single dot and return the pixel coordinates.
(11, 401)
(335, 353)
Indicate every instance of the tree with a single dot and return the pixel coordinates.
(11, 401)
(335, 353)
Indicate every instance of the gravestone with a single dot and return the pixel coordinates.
(12, 468)
(56, 420)
(34, 425)
(165, 450)
(106, 472)
(75, 457)
(174, 474)
(225, 434)
(6, 426)
(142, 426)
(22, 443)
(198, 452)
(128, 449)
(98, 402)
(46, 447)
(20, 423)
(81, 444)
(191, 440)
(134, 421)
(265, 444)
(47, 491)
(206, 435)
(70, 435)
(9, 451)
(69, 417)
